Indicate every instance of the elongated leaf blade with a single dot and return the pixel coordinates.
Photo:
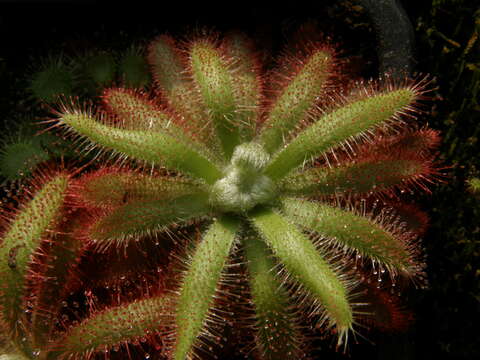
(200, 282)
(169, 66)
(109, 187)
(354, 232)
(22, 238)
(297, 98)
(215, 83)
(246, 82)
(306, 264)
(116, 326)
(143, 218)
(277, 333)
(338, 126)
(375, 175)
(153, 147)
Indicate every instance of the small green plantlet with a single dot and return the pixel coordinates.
(474, 185)
(133, 68)
(55, 77)
(281, 191)
(18, 159)
(100, 68)
(20, 150)
(23, 148)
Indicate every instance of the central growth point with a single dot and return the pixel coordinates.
(244, 185)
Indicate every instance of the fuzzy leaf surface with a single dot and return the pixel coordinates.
(360, 177)
(117, 325)
(142, 218)
(339, 126)
(277, 334)
(115, 188)
(22, 238)
(136, 112)
(354, 232)
(200, 283)
(169, 71)
(213, 79)
(245, 81)
(153, 147)
(296, 99)
(307, 265)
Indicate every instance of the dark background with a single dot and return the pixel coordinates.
(447, 313)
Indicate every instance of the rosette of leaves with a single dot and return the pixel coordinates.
(474, 185)
(280, 173)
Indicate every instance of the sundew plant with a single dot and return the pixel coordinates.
(228, 197)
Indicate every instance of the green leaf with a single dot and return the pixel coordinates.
(19, 159)
(100, 68)
(277, 332)
(142, 218)
(133, 68)
(58, 263)
(354, 233)
(200, 283)
(116, 326)
(357, 176)
(22, 238)
(307, 265)
(474, 185)
(154, 147)
(168, 66)
(245, 81)
(297, 98)
(136, 112)
(112, 188)
(338, 126)
(212, 77)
